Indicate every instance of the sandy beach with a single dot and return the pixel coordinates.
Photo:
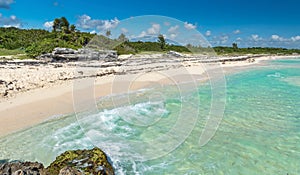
(33, 93)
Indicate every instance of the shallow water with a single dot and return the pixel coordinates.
(259, 133)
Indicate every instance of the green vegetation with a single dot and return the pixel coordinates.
(4, 52)
(235, 50)
(79, 159)
(34, 42)
(128, 47)
(255, 50)
(162, 42)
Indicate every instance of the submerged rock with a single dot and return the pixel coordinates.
(78, 162)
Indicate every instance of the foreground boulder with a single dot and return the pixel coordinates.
(78, 162)
(86, 161)
(24, 168)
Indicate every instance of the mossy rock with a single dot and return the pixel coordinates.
(87, 161)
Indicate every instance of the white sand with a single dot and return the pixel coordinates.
(25, 109)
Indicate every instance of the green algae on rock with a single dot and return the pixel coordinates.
(92, 161)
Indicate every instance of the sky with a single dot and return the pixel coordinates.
(255, 23)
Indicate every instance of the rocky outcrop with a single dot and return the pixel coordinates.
(69, 171)
(67, 54)
(87, 161)
(22, 168)
(175, 54)
(78, 162)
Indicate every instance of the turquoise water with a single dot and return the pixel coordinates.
(259, 133)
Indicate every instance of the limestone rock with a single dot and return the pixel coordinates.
(22, 168)
(175, 54)
(70, 171)
(79, 162)
(59, 50)
(67, 54)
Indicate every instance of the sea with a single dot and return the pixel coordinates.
(259, 132)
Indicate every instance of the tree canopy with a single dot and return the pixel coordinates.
(37, 41)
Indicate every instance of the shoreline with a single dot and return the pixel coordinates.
(35, 106)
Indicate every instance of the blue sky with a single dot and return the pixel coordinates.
(268, 23)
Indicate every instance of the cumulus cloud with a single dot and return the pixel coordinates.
(295, 38)
(256, 37)
(86, 22)
(173, 36)
(189, 26)
(173, 31)
(154, 30)
(142, 34)
(277, 38)
(48, 24)
(237, 31)
(287, 40)
(224, 39)
(11, 21)
(239, 39)
(6, 3)
(93, 32)
(208, 33)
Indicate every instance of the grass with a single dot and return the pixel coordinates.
(6, 52)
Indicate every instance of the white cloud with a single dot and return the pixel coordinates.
(86, 22)
(124, 30)
(256, 37)
(13, 17)
(224, 39)
(48, 24)
(189, 26)
(93, 32)
(173, 36)
(6, 3)
(295, 38)
(208, 33)
(237, 31)
(154, 30)
(12, 25)
(239, 39)
(173, 29)
(277, 38)
(11, 21)
(142, 34)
